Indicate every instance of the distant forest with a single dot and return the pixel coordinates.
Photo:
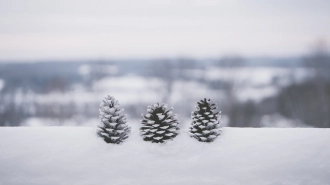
(302, 103)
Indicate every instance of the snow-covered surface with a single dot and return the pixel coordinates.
(257, 76)
(130, 88)
(248, 84)
(278, 121)
(252, 83)
(255, 94)
(86, 70)
(191, 90)
(249, 156)
(75, 121)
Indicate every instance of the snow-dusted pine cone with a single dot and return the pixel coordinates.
(206, 125)
(159, 124)
(113, 128)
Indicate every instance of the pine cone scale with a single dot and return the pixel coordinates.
(158, 125)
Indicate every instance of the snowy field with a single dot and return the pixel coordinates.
(79, 103)
(249, 156)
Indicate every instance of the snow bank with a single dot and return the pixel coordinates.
(72, 155)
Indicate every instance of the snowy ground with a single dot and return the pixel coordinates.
(81, 102)
(249, 156)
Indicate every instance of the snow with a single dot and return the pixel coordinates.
(129, 82)
(183, 90)
(249, 156)
(279, 121)
(255, 94)
(84, 70)
(257, 76)
(74, 121)
(250, 83)
(130, 88)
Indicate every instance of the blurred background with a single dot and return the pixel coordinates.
(265, 63)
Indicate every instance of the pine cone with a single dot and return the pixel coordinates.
(114, 128)
(159, 124)
(206, 125)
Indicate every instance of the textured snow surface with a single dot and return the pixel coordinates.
(249, 156)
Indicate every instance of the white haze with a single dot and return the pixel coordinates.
(67, 29)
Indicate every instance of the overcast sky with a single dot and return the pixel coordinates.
(101, 29)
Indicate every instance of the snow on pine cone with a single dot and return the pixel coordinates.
(114, 128)
(205, 126)
(159, 124)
